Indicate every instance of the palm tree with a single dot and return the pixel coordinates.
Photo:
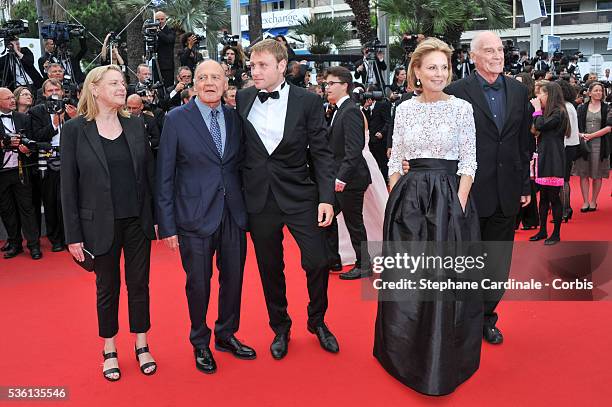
(361, 10)
(323, 32)
(448, 18)
(255, 29)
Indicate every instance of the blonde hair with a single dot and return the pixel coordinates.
(424, 48)
(538, 85)
(271, 46)
(88, 107)
(19, 90)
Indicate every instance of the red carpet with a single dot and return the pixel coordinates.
(555, 353)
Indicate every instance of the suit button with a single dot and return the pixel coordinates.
(501, 165)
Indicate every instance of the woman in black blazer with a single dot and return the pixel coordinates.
(106, 191)
(552, 121)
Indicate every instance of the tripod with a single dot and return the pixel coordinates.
(151, 61)
(13, 69)
(372, 71)
(63, 54)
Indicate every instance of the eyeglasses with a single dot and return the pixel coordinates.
(328, 83)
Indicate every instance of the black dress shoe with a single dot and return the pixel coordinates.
(335, 267)
(204, 360)
(35, 253)
(57, 247)
(280, 345)
(6, 246)
(592, 209)
(236, 348)
(553, 240)
(356, 273)
(326, 338)
(12, 252)
(493, 335)
(537, 236)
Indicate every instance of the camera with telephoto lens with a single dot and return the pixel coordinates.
(376, 95)
(23, 141)
(231, 40)
(148, 85)
(13, 28)
(113, 38)
(61, 31)
(150, 30)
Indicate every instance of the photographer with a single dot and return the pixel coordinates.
(543, 63)
(234, 58)
(165, 48)
(54, 71)
(189, 55)
(15, 186)
(398, 86)
(72, 66)
(143, 74)
(369, 69)
(378, 114)
(105, 55)
(136, 108)
(47, 122)
(151, 104)
(463, 65)
(184, 79)
(18, 71)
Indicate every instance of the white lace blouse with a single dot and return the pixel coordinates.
(443, 129)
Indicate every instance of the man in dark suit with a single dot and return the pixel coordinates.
(47, 126)
(347, 140)
(165, 49)
(379, 123)
(371, 71)
(282, 122)
(200, 207)
(143, 74)
(20, 70)
(15, 186)
(503, 140)
(72, 67)
(184, 80)
(135, 106)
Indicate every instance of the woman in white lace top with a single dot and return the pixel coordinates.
(430, 346)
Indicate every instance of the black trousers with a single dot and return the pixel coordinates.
(16, 209)
(379, 151)
(267, 233)
(129, 238)
(167, 77)
(50, 188)
(229, 244)
(37, 199)
(350, 204)
(529, 214)
(497, 228)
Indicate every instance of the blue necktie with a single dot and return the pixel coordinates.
(215, 131)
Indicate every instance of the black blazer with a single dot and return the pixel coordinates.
(153, 132)
(28, 66)
(347, 140)
(503, 156)
(22, 124)
(551, 152)
(380, 121)
(165, 48)
(285, 172)
(87, 204)
(604, 151)
(42, 127)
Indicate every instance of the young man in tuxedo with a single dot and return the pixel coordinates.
(347, 140)
(379, 124)
(205, 215)
(282, 122)
(15, 186)
(503, 143)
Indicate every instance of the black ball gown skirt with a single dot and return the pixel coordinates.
(430, 346)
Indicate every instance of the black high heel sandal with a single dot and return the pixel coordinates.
(140, 351)
(106, 373)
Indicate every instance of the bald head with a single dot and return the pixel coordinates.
(7, 100)
(487, 52)
(161, 17)
(210, 82)
(134, 104)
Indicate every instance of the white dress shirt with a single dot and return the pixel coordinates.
(55, 141)
(269, 118)
(13, 157)
(340, 102)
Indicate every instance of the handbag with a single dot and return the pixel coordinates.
(88, 264)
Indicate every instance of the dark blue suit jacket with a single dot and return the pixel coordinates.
(193, 182)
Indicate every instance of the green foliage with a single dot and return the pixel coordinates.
(444, 17)
(26, 10)
(323, 31)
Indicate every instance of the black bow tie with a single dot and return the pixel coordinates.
(8, 116)
(495, 86)
(332, 108)
(263, 96)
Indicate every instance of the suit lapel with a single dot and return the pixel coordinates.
(474, 89)
(131, 131)
(93, 136)
(229, 128)
(198, 123)
(293, 113)
(245, 109)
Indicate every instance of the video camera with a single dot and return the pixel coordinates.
(372, 48)
(61, 31)
(231, 40)
(13, 28)
(409, 42)
(376, 95)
